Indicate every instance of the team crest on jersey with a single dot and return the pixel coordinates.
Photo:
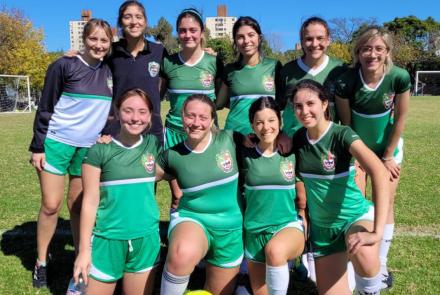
(110, 83)
(287, 170)
(388, 100)
(148, 162)
(329, 163)
(268, 83)
(224, 161)
(207, 79)
(153, 68)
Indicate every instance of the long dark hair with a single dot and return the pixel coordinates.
(314, 87)
(251, 22)
(264, 102)
(122, 9)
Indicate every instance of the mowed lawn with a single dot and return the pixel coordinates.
(415, 253)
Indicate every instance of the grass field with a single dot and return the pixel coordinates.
(415, 253)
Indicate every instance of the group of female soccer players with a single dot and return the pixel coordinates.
(258, 189)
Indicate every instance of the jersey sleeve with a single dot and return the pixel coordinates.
(52, 89)
(279, 91)
(94, 156)
(225, 75)
(162, 161)
(220, 68)
(403, 82)
(347, 137)
(342, 85)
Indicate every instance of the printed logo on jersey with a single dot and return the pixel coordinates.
(110, 83)
(148, 162)
(224, 161)
(388, 100)
(268, 83)
(207, 79)
(329, 163)
(287, 170)
(153, 68)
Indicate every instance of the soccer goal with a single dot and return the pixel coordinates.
(15, 94)
(427, 83)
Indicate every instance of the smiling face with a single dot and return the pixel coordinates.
(189, 32)
(315, 40)
(96, 44)
(247, 41)
(197, 120)
(373, 54)
(134, 115)
(309, 108)
(266, 125)
(133, 22)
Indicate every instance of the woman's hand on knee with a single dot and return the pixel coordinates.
(38, 160)
(358, 239)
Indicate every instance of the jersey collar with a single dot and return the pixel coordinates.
(313, 142)
(141, 139)
(365, 84)
(311, 71)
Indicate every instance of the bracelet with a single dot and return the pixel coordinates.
(387, 159)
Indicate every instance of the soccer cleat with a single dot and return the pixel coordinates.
(387, 281)
(39, 276)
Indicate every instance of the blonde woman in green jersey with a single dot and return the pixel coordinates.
(373, 98)
(343, 224)
(119, 231)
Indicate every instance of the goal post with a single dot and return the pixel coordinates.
(427, 83)
(15, 94)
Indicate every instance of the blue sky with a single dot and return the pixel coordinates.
(280, 17)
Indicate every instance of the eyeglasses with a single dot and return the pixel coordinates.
(366, 50)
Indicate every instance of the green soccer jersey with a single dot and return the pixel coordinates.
(269, 188)
(184, 80)
(127, 207)
(208, 180)
(295, 71)
(326, 167)
(246, 84)
(372, 109)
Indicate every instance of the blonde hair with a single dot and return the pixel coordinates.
(366, 35)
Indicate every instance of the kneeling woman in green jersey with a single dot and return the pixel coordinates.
(273, 232)
(119, 232)
(343, 224)
(208, 221)
(373, 98)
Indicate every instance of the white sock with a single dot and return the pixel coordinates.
(277, 279)
(172, 284)
(244, 266)
(370, 286)
(351, 276)
(41, 263)
(385, 247)
(311, 266)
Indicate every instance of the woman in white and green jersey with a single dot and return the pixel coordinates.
(314, 64)
(343, 224)
(273, 232)
(190, 71)
(208, 221)
(119, 232)
(373, 98)
(251, 76)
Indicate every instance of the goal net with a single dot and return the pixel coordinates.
(427, 83)
(14, 94)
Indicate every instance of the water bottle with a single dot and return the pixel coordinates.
(76, 289)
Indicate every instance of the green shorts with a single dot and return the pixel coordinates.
(330, 240)
(173, 137)
(62, 158)
(112, 258)
(256, 242)
(225, 247)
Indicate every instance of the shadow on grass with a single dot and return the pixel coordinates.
(21, 242)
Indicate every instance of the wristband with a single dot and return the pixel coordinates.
(387, 159)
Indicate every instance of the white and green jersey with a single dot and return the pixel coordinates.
(326, 168)
(372, 109)
(127, 207)
(208, 180)
(246, 84)
(295, 71)
(269, 189)
(184, 80)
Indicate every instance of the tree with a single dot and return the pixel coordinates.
(341, 51)
(343, 29)
(163, 33)
(223, 47)
(21, 45)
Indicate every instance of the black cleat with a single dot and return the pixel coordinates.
(39, 276)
